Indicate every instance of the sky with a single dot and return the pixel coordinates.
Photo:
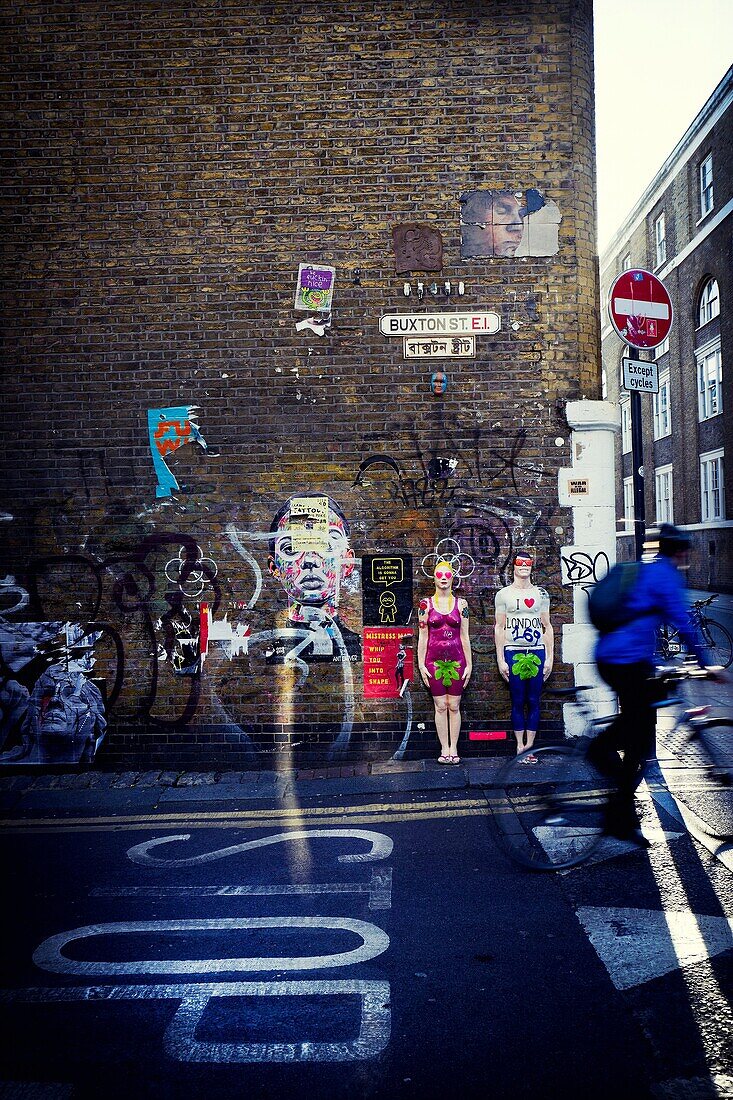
(657, 62)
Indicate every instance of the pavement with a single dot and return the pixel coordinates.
(90, 791)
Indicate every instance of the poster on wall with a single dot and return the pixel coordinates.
(315, 288)
(308, 526)
(386, 584)
(388, 662)
(51, 710)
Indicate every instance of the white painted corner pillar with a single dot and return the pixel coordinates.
(588, 488)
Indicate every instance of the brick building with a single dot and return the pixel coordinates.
(172, 169)
(681, 230)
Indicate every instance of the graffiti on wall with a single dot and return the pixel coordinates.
(508, 223)
(51, 711)
(169, 429)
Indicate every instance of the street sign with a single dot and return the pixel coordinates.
(640, 376)
(437, 324)
(640, 308)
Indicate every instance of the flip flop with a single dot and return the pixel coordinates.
(445, 759)
(454, 759)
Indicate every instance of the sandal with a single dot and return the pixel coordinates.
(445, 759)
(454, 759)
(531, 759)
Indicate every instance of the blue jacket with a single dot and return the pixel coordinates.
(656, 599)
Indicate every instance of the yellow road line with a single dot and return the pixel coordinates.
(464, 809)
(237, 817)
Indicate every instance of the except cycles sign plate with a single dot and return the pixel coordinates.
(640, 308)
(640, 376)
(432, 324)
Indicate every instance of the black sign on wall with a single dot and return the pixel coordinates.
(386, 586)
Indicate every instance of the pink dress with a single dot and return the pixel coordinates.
(445, 659)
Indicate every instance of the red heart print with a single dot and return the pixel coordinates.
(529, 603)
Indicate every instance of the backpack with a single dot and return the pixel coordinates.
(608, 600)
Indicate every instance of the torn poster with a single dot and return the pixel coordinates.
(169, 429)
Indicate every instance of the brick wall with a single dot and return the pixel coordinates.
(170, 167)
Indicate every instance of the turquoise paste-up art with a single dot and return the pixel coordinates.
(169, 429)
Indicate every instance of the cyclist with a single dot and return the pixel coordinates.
(625, 658)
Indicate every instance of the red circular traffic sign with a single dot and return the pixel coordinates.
(640, 308)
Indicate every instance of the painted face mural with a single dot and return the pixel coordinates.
(309, 558)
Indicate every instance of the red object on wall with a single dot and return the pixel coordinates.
(487, 735)
(385, 671)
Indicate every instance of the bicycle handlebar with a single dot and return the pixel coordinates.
(705, 603)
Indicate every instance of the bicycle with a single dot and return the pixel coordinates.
(714, 635)
(551, 815)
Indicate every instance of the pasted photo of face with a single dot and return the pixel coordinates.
(491, 223)
(311, 577)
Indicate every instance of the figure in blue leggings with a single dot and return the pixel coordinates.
(525, 643)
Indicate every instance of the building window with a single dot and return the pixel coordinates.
(709, 304)
(628, 517)
(712, 503)
(663, 494)
(709, 381)
(662, 410)
(661, 349)
(660, 240)
(706, 186)
(626, 262)
(625, 406)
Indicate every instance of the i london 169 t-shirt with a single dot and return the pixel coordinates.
(523, 607)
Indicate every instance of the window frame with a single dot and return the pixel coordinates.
(706, 188)
(624, 404)
(709, 459)
(660, 241)
(628, 504)
(664, 474)
(662, 430)
(708, 302)
(704, 389)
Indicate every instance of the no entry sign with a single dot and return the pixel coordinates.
(640, 308)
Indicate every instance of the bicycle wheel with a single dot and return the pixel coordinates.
(550, 814)
(719, 643)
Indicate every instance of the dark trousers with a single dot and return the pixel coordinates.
(633, 732)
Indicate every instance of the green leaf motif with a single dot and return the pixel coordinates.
(447, 672)
(526, 665)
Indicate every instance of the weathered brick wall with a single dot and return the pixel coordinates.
(170, 167)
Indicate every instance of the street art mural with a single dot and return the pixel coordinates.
(169, 429)
(50, 710)
(311, 563)
(251, 626)
(508, 223)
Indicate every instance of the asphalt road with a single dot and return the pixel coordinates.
(395, 954)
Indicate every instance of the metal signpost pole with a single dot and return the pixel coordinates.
(637, 464)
